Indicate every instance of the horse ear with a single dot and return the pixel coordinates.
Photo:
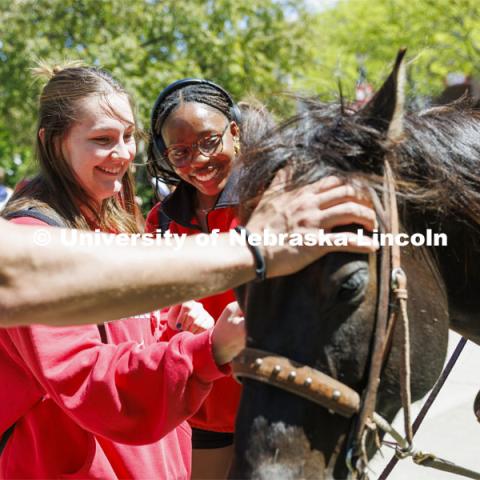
(385, 110)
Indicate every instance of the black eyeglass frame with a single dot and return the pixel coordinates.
(195, 146)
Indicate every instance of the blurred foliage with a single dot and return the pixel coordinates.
(442, 36)
(249, 47)
(258, 47)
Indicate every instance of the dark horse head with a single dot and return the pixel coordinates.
(324, 316)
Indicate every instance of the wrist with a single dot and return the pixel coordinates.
(218, 352)
(257, 251)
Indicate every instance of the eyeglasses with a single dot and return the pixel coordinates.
(180, 155)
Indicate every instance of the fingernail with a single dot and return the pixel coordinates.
(179, 326)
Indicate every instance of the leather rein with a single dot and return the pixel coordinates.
(338, 398)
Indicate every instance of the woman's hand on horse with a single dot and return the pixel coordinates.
(189, 316)
(228, 337)
(325, 204)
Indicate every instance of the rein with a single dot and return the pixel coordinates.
(338, 398)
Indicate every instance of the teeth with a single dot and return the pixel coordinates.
(109, 170)
(206, 176)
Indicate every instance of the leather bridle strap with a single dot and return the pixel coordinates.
(298, 379)
(385, 316)
(400, 294)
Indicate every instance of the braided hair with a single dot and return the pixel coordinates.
(158, 165)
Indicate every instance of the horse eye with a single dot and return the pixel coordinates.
(353, 285)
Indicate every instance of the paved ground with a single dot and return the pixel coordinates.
(450, 429)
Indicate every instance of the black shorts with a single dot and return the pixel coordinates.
(207, 439)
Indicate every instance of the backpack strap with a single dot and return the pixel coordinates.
(103, 332)
(34, 213)
(163, 221)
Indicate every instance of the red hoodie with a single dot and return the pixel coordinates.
(219, 410)
(87, 409)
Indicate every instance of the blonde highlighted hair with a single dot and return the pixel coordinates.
(46, 71)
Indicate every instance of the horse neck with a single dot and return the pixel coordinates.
(458, 263)
(439, 156)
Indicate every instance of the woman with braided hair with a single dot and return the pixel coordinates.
(194, 144)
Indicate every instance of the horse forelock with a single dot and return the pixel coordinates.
(435, 162)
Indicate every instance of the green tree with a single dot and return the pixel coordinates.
(442, 36)
(254, 46)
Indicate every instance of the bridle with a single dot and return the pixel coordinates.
(322, 389)
(338, 398)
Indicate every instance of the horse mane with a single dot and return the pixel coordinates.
(435, 162)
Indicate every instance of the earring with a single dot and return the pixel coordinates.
(236, 145)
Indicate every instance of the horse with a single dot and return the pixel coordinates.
(324, 316)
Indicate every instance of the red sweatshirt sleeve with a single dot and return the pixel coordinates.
(126, 392)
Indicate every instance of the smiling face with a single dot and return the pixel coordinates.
(208, 174)
(100, 146)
